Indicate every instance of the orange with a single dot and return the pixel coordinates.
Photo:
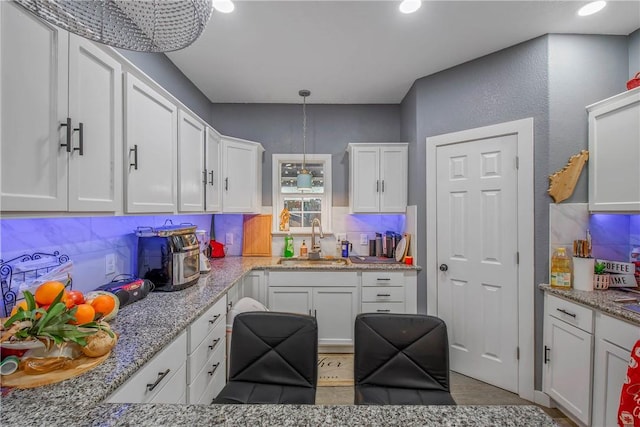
(22, 304)
(48, 291)
(84, 314)
(103, 304)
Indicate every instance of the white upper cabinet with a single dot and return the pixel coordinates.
(378, 178)
(150, 148)
(61, 120)
(242, 176)
(213, 169)
(191, 173)
(614, 152)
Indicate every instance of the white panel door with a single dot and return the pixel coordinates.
(335, 309)
(213, 167)
(477, 244)
(95, 106)
(239, 162)
(191, 173)
(393, 179)
(150, 149)
(290, 299)
(365, 180)
(33, 70)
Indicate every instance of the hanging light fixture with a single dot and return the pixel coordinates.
(304, 176)
(144, 26)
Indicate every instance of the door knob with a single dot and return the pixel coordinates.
(444, 267)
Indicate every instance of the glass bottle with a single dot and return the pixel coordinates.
(303, 249)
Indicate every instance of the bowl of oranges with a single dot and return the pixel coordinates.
(61, 322)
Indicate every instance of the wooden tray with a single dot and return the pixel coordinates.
(76, 367)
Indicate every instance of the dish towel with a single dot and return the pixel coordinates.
(629, 410)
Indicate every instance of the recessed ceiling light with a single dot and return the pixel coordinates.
(410, 6)
(591, 8)
(224, 6)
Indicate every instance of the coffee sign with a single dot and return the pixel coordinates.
(617, 267)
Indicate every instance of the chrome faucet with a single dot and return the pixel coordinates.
(315, 247)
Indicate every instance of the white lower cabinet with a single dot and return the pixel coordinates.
(206, 355)
(614, 340)
(384, 292)
(332, 297)
(161, 380)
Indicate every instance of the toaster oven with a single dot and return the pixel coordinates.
(169, 256)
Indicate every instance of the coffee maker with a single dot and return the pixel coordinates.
(203, 240)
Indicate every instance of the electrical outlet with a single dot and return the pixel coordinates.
(110, 264)
(229, 239)
(341, 236)
(364, 240)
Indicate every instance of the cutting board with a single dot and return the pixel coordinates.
(256, 235)
(74, 368)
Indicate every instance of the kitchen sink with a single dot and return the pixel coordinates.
(306, 262)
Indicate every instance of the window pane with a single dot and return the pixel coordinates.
(303, 210)
(308, 218)
(312, 205)
(289, 173)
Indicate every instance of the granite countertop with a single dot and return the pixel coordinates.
(280, 415)
(599, 300)
(147, 326)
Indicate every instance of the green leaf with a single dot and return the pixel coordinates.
(57, 299)
(20, 315)
(53, 311)
(31, 302)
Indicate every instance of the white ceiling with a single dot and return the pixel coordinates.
(367, 52)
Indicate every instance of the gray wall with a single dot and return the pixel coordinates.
(329, 129)
(583, 69)
(634, 53)
(163, 71)
(551, 79)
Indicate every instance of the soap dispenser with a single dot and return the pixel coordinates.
(303, 249)
(288, 246)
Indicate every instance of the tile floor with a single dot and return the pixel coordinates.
(465, 391)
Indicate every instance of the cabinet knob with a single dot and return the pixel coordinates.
(444, 267)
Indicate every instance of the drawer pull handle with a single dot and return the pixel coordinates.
(215, 366)
(214, 343)
(212, 321)
(383, 311)
(384, 295)
(546, 354)
(563, 311)
(383, 278)
(67, 125)
(161, 376)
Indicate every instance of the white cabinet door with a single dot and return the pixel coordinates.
(191, 173)
(613, 343)
(335, 310)
(151, 144)
(567, 367)
(34, 78)
(290, 299)
(253, 286)
(614, 150)
(213, 192)
(95, 106)
(393, 178)
(365, 179)
(242, 176)
(378, 177)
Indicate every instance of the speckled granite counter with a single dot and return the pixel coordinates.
(281, 415)
(599, 300)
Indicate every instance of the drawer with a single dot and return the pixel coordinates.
(383, 307)
(214, 388)
(169, 360)
(617, 332)
(383, 293)
(383, 278)
(204, 324)
(313, 278)
(213, 367)
(174, 390)
(203, 352)
(571, 313)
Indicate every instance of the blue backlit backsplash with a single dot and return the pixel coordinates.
(614, 235)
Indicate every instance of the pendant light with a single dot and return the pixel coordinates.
(304, 176)
(143, 26)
